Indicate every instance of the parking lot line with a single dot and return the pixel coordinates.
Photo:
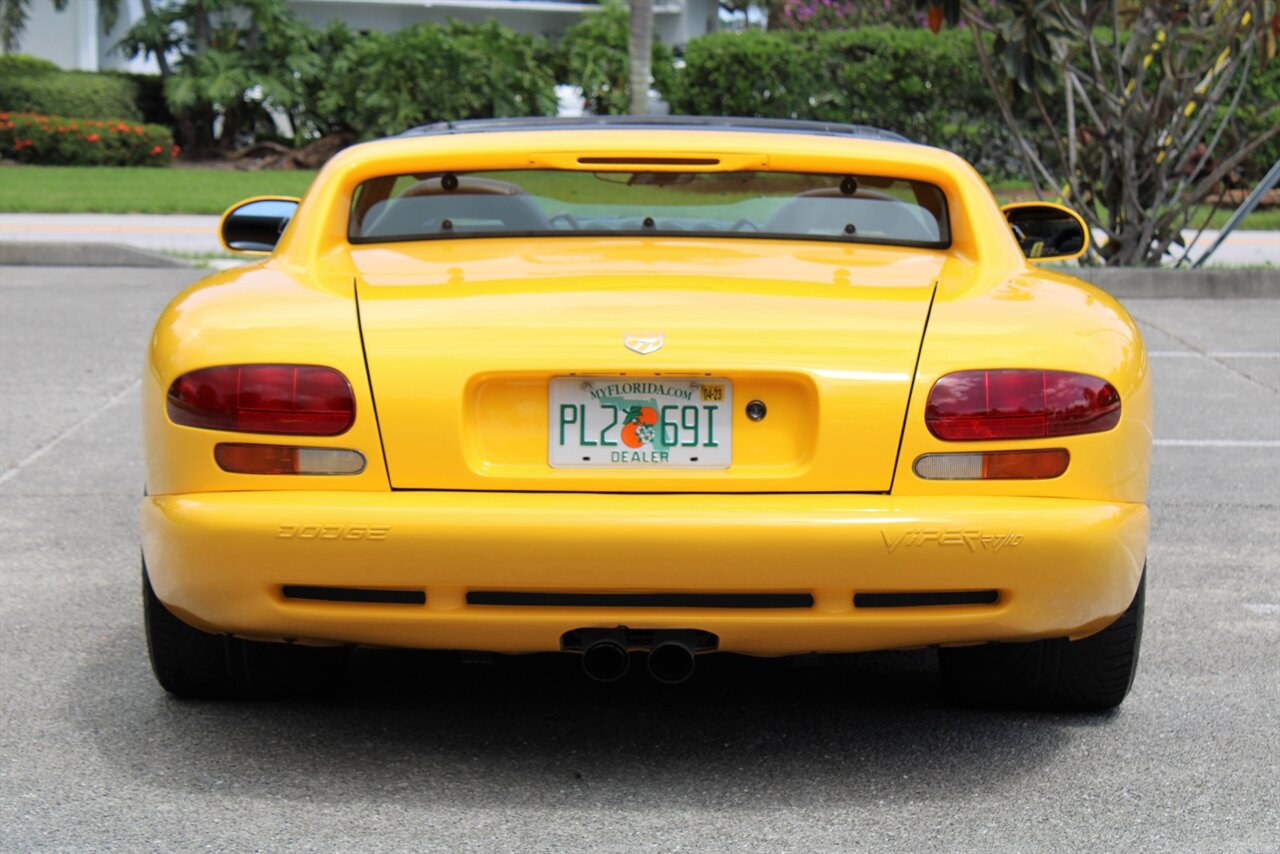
(1217, 443)
(70, 431)
(1215, 354)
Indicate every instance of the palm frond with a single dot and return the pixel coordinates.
(13, 20)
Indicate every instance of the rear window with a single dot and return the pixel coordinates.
(546, 202)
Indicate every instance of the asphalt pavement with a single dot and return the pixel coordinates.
(421, 752)
(198, 235)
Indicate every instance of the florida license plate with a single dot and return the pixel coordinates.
(637, 423)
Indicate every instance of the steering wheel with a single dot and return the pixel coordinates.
(744, 223)
(566, 218)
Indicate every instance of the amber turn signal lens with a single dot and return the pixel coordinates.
(994, 465)
(240, 458)
(1030, 465)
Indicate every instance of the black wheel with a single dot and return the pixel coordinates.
(188, 662)
(1091, 674)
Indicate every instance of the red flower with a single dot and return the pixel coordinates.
(175, 151)
(156, 150)
(935, 16)
(138, 130)
(93, 137)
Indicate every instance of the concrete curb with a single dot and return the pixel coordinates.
(40, 253)
(1211, 283)
(1129, 282)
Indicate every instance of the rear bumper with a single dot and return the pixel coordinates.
(1059, 567)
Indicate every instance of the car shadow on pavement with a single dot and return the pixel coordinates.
(533, 731)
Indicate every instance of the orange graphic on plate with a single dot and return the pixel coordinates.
(638, 429)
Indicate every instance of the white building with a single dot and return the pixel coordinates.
(73, 39)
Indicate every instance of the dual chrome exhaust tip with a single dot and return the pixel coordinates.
(606, 661)
(606, 653)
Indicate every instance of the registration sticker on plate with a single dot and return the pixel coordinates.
(643, 422)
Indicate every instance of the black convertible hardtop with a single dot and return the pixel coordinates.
(655, 123)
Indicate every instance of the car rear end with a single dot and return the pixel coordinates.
(639, 433)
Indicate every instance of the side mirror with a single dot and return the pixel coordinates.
(255, 225)
(1047, 232)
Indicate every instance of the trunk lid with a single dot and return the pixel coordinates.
(492, 358)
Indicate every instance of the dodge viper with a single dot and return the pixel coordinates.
(641, 390)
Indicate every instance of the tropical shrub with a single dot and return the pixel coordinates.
(240, 71)
(1139, 117)
(226, 66)
(927, 87)
(62, 141)
(841, 14)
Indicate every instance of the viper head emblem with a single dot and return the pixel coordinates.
(643, 343)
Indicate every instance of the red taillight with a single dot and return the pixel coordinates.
(974, 405)
(300, 400)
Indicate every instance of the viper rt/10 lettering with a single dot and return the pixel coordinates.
(973, 540)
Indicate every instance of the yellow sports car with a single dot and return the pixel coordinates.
(644, 389)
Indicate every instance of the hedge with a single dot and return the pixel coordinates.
(386, 83)
(27, 87)
(23, 63)
(928, 87)
(753, 73)
(1259, 109)
(62, 141)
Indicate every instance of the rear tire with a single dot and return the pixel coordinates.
(1092, 674)
(188, 662)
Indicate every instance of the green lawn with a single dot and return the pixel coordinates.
(117, 189)
(114, 189)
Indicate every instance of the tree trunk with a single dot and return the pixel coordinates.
(641, 55)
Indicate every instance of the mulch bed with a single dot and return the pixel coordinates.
(274, 156)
